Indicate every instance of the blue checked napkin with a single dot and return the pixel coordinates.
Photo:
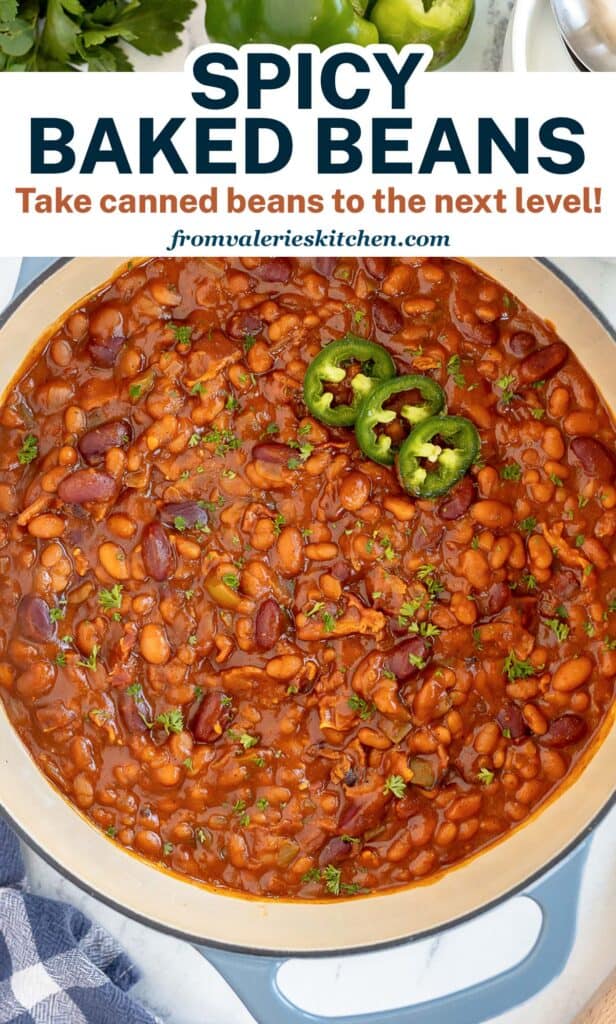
(56, 967)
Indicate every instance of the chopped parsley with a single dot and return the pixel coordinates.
(528, 525)
(167, 849)
(193, 440)
(507, 386)
(109, 599)
(560, 629)
(454, 371)
(329, 622)
(171, 721)
(181, 333)
(516, 668)
(510, 472)
(485, 776)
(243, 738)
(249, 341)
(180, 523)
(361, 707)
(427, 575)
(224, 440)
(396, 785)
(29, 450)
(262, 803)
(91, 661)
(230, 580)
(55, 614)
(538, 413)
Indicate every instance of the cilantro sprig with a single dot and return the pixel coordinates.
(61, 35)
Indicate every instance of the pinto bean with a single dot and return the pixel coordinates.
(386, 317)
(494, 515)
(597, 461)
(458, 501)
(273, 451)
(86, 485)
(400, 658)
(189, 511)
(34, 620)
(564, 730)
(157, 552)
(213, 716)
(571, 674)
(511, 720)
(96, 442)
(543, 363)
(270, 623)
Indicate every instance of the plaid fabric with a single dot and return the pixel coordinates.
(56, 967)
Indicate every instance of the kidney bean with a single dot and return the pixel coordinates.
(325, 265)
(398, 659)
(511, 720)
(96, 442)
(242, 324)
(597, 461)
(494, 600)
(85, 485)
(273, 451)
(190, 511)
(521, 344)
(212, 718)
(135, 710)
(277, 269)
(34, 620)
(335, 852)
(564, 730)
(270, 624)
(543, 363)
(377, 266)
(364, 810)
(386, 317)
(157, 552)
(458, 501)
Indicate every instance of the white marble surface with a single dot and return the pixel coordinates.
(183, 989)
(482, 51)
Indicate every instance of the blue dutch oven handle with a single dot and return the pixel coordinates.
(254, 978)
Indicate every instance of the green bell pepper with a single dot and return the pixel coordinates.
(332, 366)
(372, 414)
(442, 24)
(286, 22)
(437, 454)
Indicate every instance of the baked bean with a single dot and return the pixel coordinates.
(571, 674)
(153, 644)
(583, 423)
(494, 515)
(354, 491)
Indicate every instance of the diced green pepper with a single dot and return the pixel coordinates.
(332, 365)
(379, 446)
(437, 454)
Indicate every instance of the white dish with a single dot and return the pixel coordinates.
(533, 42)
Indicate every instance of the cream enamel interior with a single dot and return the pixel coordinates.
(170, 902)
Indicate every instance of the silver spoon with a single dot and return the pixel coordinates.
(589, 30)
